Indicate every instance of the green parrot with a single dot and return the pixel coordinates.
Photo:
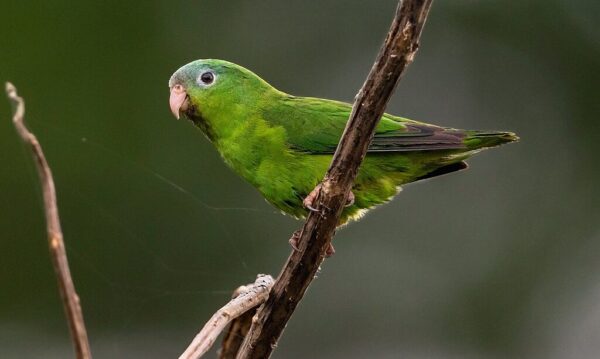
(283, 144)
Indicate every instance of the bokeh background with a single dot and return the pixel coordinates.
(501, 261)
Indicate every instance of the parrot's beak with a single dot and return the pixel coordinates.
(178, 101)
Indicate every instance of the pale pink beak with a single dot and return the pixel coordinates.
(178, 100)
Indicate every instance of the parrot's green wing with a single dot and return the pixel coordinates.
(315, 126)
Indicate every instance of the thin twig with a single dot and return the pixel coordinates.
(249, 297)
(58, 254)
(298, 272)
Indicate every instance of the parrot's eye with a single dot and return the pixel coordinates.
(206, 78)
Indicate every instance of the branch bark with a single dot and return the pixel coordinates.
(58, 253)
(235, 334)
(248, 297)
(396, 54)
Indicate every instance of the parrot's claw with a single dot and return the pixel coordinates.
(312, 209)
(309, 201)
(330, 251)
(350, 200)
(294, 239)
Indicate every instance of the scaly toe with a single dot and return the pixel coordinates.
(330, 251)
(308, 202)
(350, 199)
(311, 208)
(294, 239)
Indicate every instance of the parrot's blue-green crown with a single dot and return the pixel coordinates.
(196, 77)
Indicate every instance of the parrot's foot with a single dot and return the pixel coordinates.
(296, 237)
(330, 251)
(309, 201)
(350, 199)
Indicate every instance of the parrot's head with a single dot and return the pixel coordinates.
(207, 91)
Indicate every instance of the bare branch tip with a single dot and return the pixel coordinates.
(11, 91)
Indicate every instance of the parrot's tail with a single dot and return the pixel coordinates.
(475, 141)
(484, 139)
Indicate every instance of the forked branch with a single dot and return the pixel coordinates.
(246, 298)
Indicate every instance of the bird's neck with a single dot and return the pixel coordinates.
(236, 119)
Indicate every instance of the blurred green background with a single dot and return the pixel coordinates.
(501, 261)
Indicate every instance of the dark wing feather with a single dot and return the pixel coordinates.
(315, 126)
(418, 137)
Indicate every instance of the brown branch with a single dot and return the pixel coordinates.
(235, 334)
(58, 254)
(298, 272)
(248, 297)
